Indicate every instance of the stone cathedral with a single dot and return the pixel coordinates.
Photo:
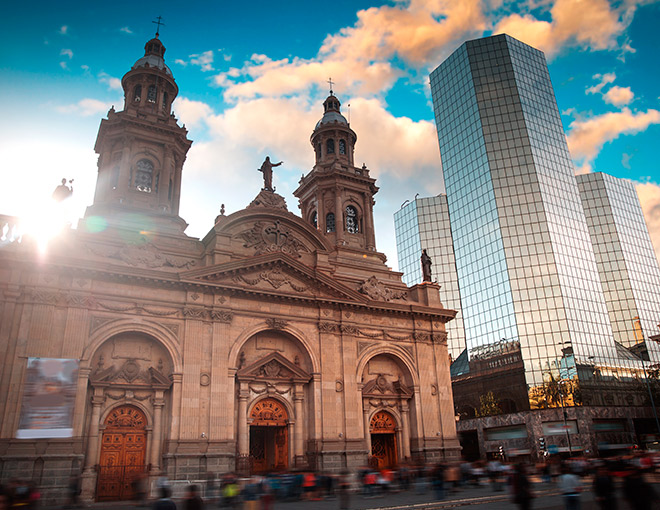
(277, 342)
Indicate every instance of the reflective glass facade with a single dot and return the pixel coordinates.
(525, 263)
(627, 264)
(424, 224)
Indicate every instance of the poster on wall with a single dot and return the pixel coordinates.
(48, 398)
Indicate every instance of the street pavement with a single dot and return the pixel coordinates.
(477, 498)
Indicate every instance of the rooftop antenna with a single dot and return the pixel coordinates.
(158, 24)
(349, 114)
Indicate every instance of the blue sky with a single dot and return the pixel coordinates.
(252, 78)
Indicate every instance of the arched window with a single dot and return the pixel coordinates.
(151, 94)
(315, 219)
(352, 220)
(330, 222)
(165, 101)
(342, 146)
(144, 172)
(330, 147)
(137, 93)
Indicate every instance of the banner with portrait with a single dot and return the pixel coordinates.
(48, 398)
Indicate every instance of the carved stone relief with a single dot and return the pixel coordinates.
(272, 237)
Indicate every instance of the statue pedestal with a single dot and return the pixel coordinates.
(426, 293)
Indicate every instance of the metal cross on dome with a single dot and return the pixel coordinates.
(158, 24)
(331, 84)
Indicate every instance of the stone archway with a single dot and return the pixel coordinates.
(387, 385)
(122, 460)
(269, 438)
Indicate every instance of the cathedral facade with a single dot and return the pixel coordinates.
(276, 342)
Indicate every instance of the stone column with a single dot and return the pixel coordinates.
(88, 488)
(368, 222)
(367, 431)
(156, 436)
(243, 432)
(298, 399)
(176, 405)
(405, 432)
(339, 216)
(320, 210)
(93, 441)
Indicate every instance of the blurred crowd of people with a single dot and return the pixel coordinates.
(611, 480)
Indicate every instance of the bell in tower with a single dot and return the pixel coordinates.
(336, 196)
(141, 151)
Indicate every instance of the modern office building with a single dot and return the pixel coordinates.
(626, 261)
(537, 324)
(423, 223)
(526, 267)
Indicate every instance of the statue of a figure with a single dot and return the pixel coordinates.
(267, 170)
(63, 191)
(426, 267)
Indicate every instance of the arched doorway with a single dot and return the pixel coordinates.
(269, 436)
(383, 439)
(123, 449)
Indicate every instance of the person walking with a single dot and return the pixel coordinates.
(569, 486)
(604, 489)
(521, 488)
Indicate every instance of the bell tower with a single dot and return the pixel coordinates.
(141, 151)
(336, 196)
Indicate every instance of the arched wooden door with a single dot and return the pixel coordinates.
(383, 439)
(269, 436)
(123, 448)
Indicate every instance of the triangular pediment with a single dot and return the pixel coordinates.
(273, 367)
(274, 273)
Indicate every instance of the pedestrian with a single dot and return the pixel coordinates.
(344, 491)
(74, 491)
(569, 486)
(439, 481)
(638, 492)
(193, 501)
(604, 489)
(520, 488)
(164, 502)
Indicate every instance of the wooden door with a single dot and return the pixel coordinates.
(269, 438)
(383, 439)
(122, 459)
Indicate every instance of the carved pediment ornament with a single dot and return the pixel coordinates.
(130, 373)
(276, 323)
(273, 367)
(275, 277)
(145, 255)
(381, 386)
(377, 291)
(272, 237)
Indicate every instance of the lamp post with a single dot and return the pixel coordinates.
(563, 412)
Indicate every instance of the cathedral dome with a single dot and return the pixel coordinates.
(330, 117)
(332, 112)
(152, 61)
(154, 52)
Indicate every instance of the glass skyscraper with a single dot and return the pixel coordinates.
(524, 257)
(424, 224)
(627, 264)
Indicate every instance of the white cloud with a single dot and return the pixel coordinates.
(649, 198)
(66, 52)
(112, 82)
(587, 136)
(191, 113)
(126, 30)
(64, 65)
(181, 62)
(203, 60)
(619, 96)
(604, 80)
(84, 67)
(86, 107)
(64, 30)
(606, 23)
